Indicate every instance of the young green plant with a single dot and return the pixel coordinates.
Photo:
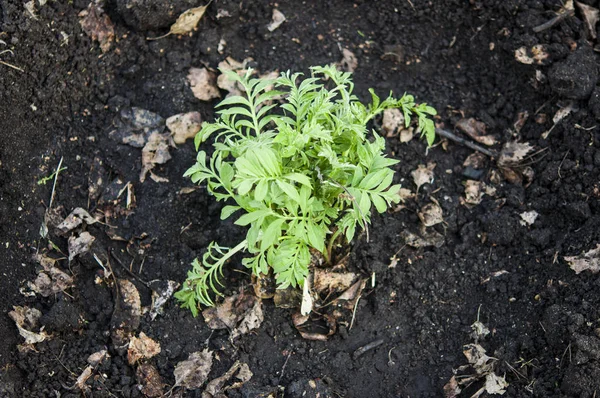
(293, 159)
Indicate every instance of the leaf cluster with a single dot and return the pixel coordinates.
(294, 163)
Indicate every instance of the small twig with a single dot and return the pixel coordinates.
(367, 347)
(561, 163)
(54, 184)
(354, 313)
(284, 365)
(468, 144)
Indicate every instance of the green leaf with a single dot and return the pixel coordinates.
(301, 178)
(271, 234)
(289, 190)
(261, 190)
(228, 211)
(251, 217)
(316, 236)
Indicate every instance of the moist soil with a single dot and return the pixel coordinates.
(458, 56)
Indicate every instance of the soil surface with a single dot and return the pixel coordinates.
(61, 99)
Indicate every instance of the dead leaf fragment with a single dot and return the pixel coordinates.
(187, 21)
(528, 217)
(423, 175)
(184, 126)
(479, 331)
(393, 120)
(537, 54)
(75, 219)
(477, 357)
(495, 384)
(150, 381)
(51, 280)
(142, 347)
(349, 63)
(590, 17)
(307, 300)
(326, 281)
(83, 378)
(589, 261)
(193, 372)
(451, 389)
(277, 20)
(203, 84)
(217, 387)
(27, 320)
(513, 153)
(127, 315)
(238, 313)
(161, 292)
(133, 126)
(156, 151)
(476, 130)
(80, 244)
(96, 24)
(473, 192)
(564, 110)
(97, 358)
(407, 134)
(426, 238)
(431, 214)
(475, 160)
(225, 82)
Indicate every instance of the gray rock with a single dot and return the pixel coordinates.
(575, 77)
(144, 15)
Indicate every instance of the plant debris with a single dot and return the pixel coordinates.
(193, 372)
(134, 126)
(277, 20)
(50, 280)
(75, 219)
(150, 381)
(186, 22)
(80, 244)
(392, 122)
(127, 314)
(535, 55)
(156, 151)
(203, 84)
(97, 358)
(83, 378)
(513, 153)
(590, 17)
(476, 130)
(161, 292)
(27, 320)
(217, 387)
(474, 191)
(564, 110)
(239, 314)
(431, 214)
(307, 303)
(330, 281)
(184, 126)
(225, 82)
(423, 175)
(528, 217)
(588, 261)
(142, 347)
(349, 63)
(96, 24)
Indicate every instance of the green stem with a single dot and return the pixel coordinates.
(329, 254)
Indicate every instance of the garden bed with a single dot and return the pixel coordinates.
(62, 97)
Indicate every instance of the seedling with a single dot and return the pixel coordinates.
(292, 157)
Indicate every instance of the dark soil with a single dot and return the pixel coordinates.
(457, 55)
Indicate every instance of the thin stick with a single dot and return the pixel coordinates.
(54, 184)
(554, 21)
(112, 253)
(468, 144)
(11, 66)
(354, 313)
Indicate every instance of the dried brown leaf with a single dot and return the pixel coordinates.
(142, 347)
(476, 130)
(150, 381)
(188, 21)
(326, 281)
(156, 151)
(160, 295)
(238, 313)
(407, 134)
(27, 320)
(83, 378)
(97, 358)
(218, 386)
(75, 219)
(193, 372)
(393, 120)
(425, 238)
(277, 20)
(96, 24)
(184, 126)
(495, 384)
(423, 174)
(451, 389)
(536, 55)
(203, 84)
(349, 63)
(80, 244)
(475, 160)
(51, 281)
(477, 357)
(431, 214)
(589, 261)
(513, 153)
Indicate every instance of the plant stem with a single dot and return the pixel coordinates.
(329, 254)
